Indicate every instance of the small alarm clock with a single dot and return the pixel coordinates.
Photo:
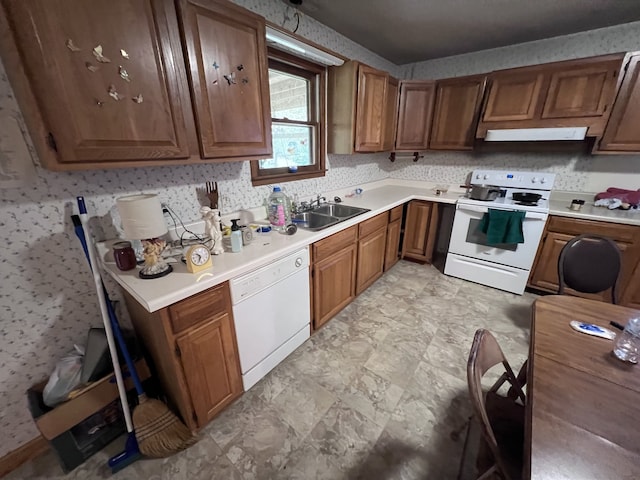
(198, 258)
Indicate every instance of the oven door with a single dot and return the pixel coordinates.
(469, 241)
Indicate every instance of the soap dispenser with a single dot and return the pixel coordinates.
(236, 236)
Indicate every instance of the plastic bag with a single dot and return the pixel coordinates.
(64, 379)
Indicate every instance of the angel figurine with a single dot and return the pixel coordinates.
(212, 228)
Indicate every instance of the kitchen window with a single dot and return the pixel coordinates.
(296, 88)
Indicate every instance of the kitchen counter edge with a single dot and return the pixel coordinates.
(159, 293)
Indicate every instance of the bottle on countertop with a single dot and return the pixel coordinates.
(279, 209)
(236, 236)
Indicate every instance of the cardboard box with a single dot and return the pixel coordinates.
(84, 424)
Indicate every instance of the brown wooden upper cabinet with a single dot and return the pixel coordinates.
(575, 93)
(414, 115)
(455, 114)
(108, 78)
(229, 78)
(391, 115)
(108, 84)
(357, 108)
(622, 134)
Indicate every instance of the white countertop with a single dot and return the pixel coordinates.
(560, 201)
(180, 284)
(378, 197)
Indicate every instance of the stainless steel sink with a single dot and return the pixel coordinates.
(314, 221)
(343, 212)
(326, 215)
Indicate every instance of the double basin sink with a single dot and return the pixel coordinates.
(326, 215)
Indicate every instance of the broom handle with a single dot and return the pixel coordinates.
(84, 218)
(112, 315)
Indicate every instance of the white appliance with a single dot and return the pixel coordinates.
(504, 266)
(271, 311)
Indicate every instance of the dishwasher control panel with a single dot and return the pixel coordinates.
(249, 284)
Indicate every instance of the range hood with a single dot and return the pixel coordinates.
(292, 44)
(536, 134)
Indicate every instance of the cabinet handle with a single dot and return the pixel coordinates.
(178, 354)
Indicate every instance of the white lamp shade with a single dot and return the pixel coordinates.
(141, 216)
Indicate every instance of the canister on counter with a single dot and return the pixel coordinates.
(576, 204)
(124, 256)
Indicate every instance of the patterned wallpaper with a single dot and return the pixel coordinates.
(576, 172)
(619, 38)
(46, 295)
(47, 301)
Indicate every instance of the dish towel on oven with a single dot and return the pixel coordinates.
(502, 226)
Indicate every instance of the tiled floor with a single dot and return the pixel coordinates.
(379, 393)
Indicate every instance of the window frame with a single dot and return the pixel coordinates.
(316, 74)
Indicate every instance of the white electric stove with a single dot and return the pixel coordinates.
(503, 266)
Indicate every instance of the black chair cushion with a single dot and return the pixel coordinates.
(589, 264)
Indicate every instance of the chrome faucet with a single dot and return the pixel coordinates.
(318, 201)
(306, 206)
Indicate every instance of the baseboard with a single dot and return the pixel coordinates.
(23, 454)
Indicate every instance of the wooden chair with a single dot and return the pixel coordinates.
(589, 264)
(501, 419)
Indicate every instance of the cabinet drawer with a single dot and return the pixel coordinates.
(395, 213)
(200, 307)
(335, 242)
(373, 224)
(576, 226)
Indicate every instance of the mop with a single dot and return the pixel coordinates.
(158, 432)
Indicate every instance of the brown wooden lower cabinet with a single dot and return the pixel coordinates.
(631, 294)
(559, 230)
(193, 347)
(334, 284)
(392, 249)
(371, 251)
(420, 230)
(348, 262)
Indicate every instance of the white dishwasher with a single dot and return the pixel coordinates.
(271, 314)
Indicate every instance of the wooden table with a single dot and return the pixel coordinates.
(583, 411)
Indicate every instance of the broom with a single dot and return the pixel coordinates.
(158, 431)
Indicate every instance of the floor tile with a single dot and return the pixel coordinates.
(378, 393)
(346, 435)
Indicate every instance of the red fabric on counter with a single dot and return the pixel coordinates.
(631, 197)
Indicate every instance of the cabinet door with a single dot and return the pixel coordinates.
(456, 112)
(391, 115)
(414, 115)
(393, 244)
(622, 133)
(88, 105)
(581, 92)
(227, 60)
(211, 367)
(545, 270)
(370, 109)
(513, 96)
(631, 295)
(371, 255)
(420, 231)
(334, 284)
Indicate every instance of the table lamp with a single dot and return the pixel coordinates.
(142, 219)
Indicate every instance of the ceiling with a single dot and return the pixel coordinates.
(406, 31)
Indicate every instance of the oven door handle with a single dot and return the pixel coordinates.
(528, 215)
